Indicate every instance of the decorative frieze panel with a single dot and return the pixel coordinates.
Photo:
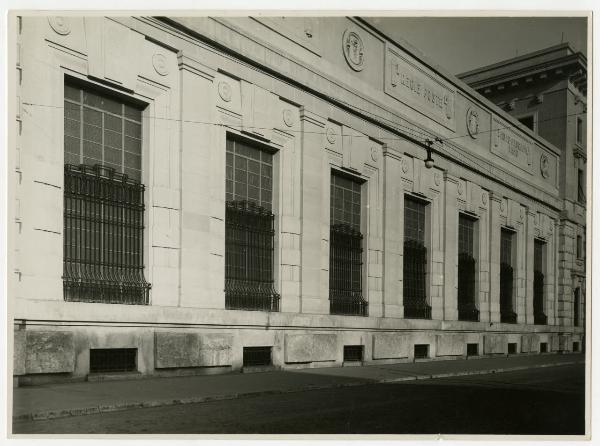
(426, 93)
(511, 146)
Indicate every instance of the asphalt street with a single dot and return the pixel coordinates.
(543, 401)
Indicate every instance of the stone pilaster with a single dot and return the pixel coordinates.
(313, 300)
(202, 194)
(393, 235)
(529, 273)
(450, 248)
(494, 258)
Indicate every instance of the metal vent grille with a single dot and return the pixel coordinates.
(421, 351)
(257, 356)
(103, 360)
(472, 349)
(512, 348)
(353, 353)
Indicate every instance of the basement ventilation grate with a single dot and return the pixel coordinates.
(421, 351)
(353, 353)
(472, 349)
(106, 360)
(257, 356)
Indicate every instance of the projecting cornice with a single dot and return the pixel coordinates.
(559, 63)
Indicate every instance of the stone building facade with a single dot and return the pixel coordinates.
(547, 92)
(198, 195)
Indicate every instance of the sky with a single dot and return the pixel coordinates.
(460, 44)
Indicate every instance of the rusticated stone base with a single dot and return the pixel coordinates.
(391, 345)
(174, 350)
(530, 343)
(495, 344)
(450, 345)
(43, 352)
(310, 347)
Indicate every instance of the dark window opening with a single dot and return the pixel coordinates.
(467, 307)
(103, 238)
(576, 304)
(527, 121)
(353, 353)
(575, 346)
(106, 360)
(539, 317)
(249, 229)
(543, 347)
(512, 348)
(581, 186)
(257, 356)
(579, 131)
(507, 313)
(415, 261)
(345, 248)
(472, 349)
(421, 351)
(579, 247)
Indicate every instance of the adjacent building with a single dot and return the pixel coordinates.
(200, 195)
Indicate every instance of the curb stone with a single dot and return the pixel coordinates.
(65, 413)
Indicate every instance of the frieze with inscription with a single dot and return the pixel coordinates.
(507, 144)
(409, 84)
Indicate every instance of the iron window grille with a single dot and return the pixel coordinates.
(345, 248)
(415, 261)
(576, 304)
(249, 229)
(103, 244)
(539, 317)
(507, 313)
(467, 308)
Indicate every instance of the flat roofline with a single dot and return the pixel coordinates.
(503, 63)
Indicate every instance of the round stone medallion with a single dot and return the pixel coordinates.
(60, 25)
(288, 117)
(331, 135)
(354, 50)
(544, 165)
(159, 62)
(225, 91)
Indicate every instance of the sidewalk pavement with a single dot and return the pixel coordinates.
(82, 398)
